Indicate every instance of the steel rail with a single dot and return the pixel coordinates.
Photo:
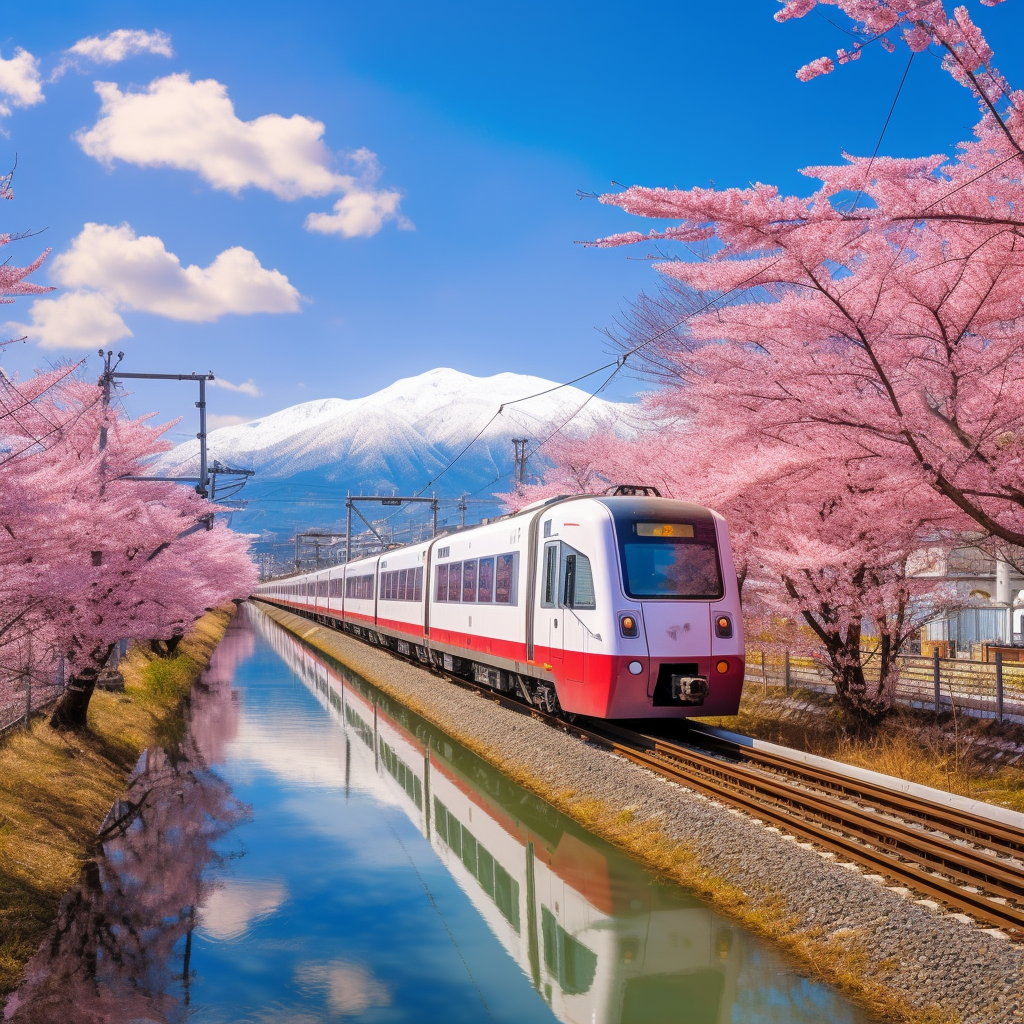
(941, 818)
(934, 865)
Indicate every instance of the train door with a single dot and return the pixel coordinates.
(549, 621)
(577, 600)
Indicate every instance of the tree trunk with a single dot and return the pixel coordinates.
(73, 709)
(864, 702)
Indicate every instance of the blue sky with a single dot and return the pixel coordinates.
(454, 244)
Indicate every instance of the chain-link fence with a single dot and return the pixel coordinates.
(28, 688)
(978, 688)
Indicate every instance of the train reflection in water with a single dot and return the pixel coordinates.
(601, 940)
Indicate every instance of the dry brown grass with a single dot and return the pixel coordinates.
(945, 753)
(840, 960)
(56, 788)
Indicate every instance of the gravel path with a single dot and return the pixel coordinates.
(921, 954)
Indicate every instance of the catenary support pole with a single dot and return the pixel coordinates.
(935, 679)
(204, 477)
(348, 527)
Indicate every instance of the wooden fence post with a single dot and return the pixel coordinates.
(999, 686)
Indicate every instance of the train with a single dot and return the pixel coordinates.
(622, 605)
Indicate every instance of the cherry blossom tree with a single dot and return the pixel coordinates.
(885, 307)
(90, 557)
(824, 542)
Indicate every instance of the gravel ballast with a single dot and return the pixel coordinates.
(899, 956)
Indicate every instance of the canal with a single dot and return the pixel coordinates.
(311, 851)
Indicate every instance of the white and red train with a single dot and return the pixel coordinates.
(611, 606)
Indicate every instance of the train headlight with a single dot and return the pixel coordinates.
(635, 668)
(629, 626)
(723, 627)
(722, 666)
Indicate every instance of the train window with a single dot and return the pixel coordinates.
(674, 566)
(469, 580)
(485, 592)
(485, 870)
(577, 580)
(573, 963)
(441, 583)
(359, 588)
(454, 581)
(549, 595)
(403, 580)
(417, 594)
(506, 895)
(505, 579)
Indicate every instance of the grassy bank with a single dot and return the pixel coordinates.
(949, 752)
(55, 789)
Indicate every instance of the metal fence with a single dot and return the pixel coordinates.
(27, 689)
(977, 688)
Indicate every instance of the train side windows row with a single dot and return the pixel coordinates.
(490, 580)
(359, 588)
(402, 584)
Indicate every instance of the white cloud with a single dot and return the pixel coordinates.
(351, 989)
(121, 44)
(249, 387)
(192, 126)
(109, 270)
(236, 903)
(20, 81)
(362, 210)
(216, 420)
(139, 273)
(86, 320)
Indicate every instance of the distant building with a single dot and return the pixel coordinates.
(983, 596)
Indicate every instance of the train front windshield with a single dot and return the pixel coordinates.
(671, 560)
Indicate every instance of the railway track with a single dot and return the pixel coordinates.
(959, 859)
(966, 862)
(970, 864)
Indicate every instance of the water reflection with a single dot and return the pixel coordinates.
(121, 947)
(385, 873)
(598, 937)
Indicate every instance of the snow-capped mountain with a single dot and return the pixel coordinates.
(402, 437)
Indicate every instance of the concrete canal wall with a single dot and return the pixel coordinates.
(904, 959)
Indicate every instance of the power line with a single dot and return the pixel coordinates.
(881, 136)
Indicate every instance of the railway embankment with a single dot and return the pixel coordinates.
(56, 788)
(902, 957)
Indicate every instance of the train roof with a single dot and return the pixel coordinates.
(624, 508)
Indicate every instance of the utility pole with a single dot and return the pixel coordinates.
(462, 506)
(106, 382)
(519, 475)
